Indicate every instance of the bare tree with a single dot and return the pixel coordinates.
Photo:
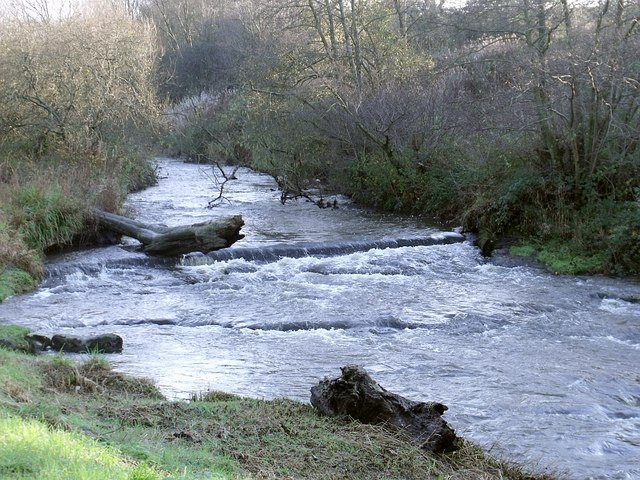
(62, 87)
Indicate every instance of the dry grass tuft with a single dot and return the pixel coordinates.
(16, 392)
(214, 396)
(116, 384)
(95, 377)
(14, 252)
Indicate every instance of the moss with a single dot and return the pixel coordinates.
(561, 259)
(14, 281)
(523, 250)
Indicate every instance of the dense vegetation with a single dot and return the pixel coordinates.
(59, 419)
(516, 118)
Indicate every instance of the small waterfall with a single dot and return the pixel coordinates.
(273, 253)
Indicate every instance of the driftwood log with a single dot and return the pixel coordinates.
(162, 240)
(357, 395)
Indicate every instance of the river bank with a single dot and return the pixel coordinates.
(213, 435)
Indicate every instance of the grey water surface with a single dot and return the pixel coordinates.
(541, 369)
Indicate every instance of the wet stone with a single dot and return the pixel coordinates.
(107, 343)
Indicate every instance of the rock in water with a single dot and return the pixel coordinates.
(357, 395)
(107, 343)
(68, 343)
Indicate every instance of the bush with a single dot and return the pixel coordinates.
(602, 238)
(612, 229)
(508, 197)
(431, 185)
(376, 182)
(78, 86)
(208, 127)
(624, 244)
(283, 142)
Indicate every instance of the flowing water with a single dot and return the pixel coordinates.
(542, 369)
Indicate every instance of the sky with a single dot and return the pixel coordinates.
(54, 8)
(61, 8)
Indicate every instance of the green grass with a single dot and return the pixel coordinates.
(14, 281)
(20, 267)
(15, 335)
(523, 250)
(560, 259)
(45, 215)
(31, 449)
(90, 422)
(45, 207)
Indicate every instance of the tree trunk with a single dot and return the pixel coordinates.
(161, 240)
(357, 395)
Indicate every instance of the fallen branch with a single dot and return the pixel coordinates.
(221, 184)
(168, 241)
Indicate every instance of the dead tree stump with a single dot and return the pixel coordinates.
(357, 395)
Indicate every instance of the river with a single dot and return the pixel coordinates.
(541, 369)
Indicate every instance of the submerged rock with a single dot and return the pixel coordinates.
(106, 343)
(357, 395)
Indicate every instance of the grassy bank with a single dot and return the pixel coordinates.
(45, 206)
(89, 422)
